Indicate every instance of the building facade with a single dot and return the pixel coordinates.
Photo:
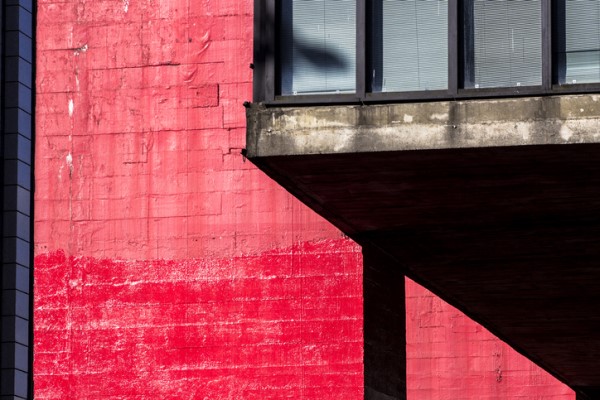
(168, 266)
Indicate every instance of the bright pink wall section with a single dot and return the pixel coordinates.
(167, 266)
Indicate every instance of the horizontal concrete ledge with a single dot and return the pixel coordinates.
(337, 129)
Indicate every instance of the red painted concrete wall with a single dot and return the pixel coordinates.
(450, 357)
(167, 266)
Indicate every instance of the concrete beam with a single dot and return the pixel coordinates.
(282, 131)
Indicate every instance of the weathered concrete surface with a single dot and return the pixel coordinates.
(435, 125)
(492, 204)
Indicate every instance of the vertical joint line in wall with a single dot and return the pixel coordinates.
(69, 160)
(187, 198)
(187, 142)
(73, 242)
(295, 249)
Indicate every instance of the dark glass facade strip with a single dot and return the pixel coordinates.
(16, 183)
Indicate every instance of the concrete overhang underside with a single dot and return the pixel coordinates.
(492, 204)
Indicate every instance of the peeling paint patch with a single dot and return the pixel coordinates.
(293, 121)
(408, 118)
(71, 107)
(69, 160)
(566, 133)
(523, 130)
(81, 49)
(125, 5)
(440, 117)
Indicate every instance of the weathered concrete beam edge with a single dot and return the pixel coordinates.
(552, 120)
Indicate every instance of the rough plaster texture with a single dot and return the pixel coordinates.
(451, 357)
(168, 267)
(272, 325)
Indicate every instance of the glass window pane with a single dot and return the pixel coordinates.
(409, 45)
(578, 41)
(503, 43)
(318, 46)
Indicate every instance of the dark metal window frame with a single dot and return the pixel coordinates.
(266, 55)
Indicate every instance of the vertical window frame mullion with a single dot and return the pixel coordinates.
(467, 44)
(558, 42)
(361, 48)
(258, 55)
(453, 47)
(272, 54)
(265, 52)
(547, 62)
